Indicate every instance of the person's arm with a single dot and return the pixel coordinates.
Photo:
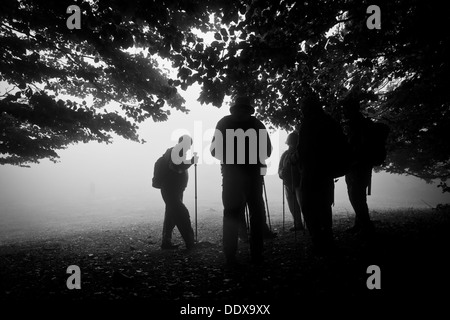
(268, 144)
(281, 164)
(181, 167)
(294, 157)
(217, 144)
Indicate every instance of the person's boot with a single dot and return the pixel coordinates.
(190, 245)
(297, 227)
(355, 229)
(168, 246)
(268, 234)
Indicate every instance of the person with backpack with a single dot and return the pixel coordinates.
(367, 149)
(288, 171)
(321, 142)
(242, 144)
(171, 176)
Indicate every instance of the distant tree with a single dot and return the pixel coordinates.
(276, 51)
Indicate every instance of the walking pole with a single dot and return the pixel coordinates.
(247, 225)
(195, 171)
(247, 220)
(369, 187)
(267, 204)
(295, 202)
(282, 185)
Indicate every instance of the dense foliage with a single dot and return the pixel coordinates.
(277, 51)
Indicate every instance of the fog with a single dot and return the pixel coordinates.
(97, 185)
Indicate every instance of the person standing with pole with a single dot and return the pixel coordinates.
(290, 175)
(242, 144)
(173, 182)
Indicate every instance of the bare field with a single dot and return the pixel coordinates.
(122, 262)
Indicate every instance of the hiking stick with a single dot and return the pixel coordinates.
(247, 221)
(267, 204)
(247, 225)
(282, 184)
(295, 202)
(195, 173)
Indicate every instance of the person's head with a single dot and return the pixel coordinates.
(185, 138)
(292, 139)
(184, 143)
(243, 105)
(310, 105)
(350, 108)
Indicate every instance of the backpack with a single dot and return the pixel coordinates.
(340, 153)
(160, 171)
(376, 137)
(288, 171)
(284, 171)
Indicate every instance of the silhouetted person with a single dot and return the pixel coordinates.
(242, 144)
(359, 176)
(289, 172)
(172, 189)
(316, 135)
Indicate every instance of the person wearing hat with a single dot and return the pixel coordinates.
(288, 171)
(242, 144)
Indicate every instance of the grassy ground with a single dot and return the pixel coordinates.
(125, 265)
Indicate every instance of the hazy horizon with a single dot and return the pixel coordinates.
(105, 181)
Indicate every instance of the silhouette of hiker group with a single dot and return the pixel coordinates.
(320, 150)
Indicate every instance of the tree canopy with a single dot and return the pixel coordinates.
(275, 51)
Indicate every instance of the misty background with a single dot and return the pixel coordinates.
(101, 186)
